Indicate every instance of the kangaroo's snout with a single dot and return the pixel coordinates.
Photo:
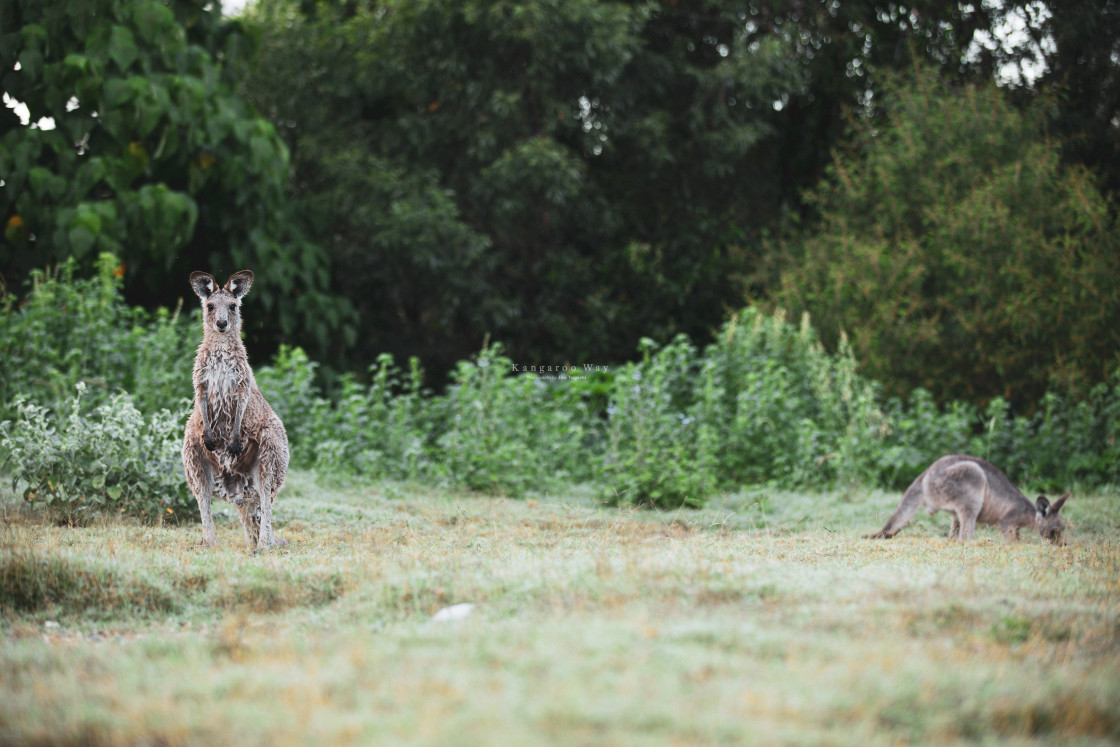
(221, 311)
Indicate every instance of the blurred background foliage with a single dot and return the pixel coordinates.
(410, 176)
(151, 154)
(94, 425)
(960, 251)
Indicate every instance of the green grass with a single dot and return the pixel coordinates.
(764, 618)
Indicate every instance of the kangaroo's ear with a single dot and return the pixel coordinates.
(239, 283)
(1057, 505)
(203, 284)
(1042, 505)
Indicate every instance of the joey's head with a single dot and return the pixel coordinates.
(221, 306)
(1049, 523)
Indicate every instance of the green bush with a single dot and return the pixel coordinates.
(505, 433)
(764, 404)
(1065, 442)
(660, 446)
(83, 464)
(291, 387)
(787, 410)
(490, 431)
(960, 251)
(70, 330)
(377, 430)
(918, 432)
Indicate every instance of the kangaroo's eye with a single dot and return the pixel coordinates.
(232, 308)
(209, 307)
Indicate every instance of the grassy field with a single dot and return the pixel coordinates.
(763, 619)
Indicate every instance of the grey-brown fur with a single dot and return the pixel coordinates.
(235, 447)
(973, 490)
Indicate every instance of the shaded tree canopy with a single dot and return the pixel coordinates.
(959, 253)
(1076, 50)
(569, 176)
(563, 176)
(138, 145)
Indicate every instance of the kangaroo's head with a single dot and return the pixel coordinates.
(221, 306)
(1049, 524)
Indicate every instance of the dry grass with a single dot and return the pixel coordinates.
(764, 619)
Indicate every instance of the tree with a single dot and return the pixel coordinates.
(138, 145)
(959, 253)
(1083, 71)
(565, 176)
(1067, 53)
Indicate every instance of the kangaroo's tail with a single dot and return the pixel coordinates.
(907, 507)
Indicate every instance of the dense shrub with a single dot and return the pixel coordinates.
(786, 410)
(377, 430)
(764, 404)
(660, 445)
(917, 433)
(114, 459)
(1063, 442)
(959, 251)
(69, 330)
(490, 431)
(501, 432)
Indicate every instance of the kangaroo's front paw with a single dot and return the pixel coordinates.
(210, 443)
(234, 448)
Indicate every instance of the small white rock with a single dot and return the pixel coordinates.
(454, 612)
(50, 625)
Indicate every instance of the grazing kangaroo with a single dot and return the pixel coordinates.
(974, 490)
(235, 446)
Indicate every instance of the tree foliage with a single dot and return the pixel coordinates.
(564, 176)
(1074, 53)
(138, 145)
(570, 176)
(959, 253)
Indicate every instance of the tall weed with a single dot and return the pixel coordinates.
(659, 447)
(784, 409)
(763, 404)
(377, 430)
(70, 330)
(505, 433)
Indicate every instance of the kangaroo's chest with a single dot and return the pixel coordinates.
(223, 381)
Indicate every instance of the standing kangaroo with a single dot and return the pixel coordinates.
(973, 490)
(235, 446)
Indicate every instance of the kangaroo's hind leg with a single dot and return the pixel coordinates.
(272, 467)
(968, 525)
(250, 516)
(961, 492)
(200, 478)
